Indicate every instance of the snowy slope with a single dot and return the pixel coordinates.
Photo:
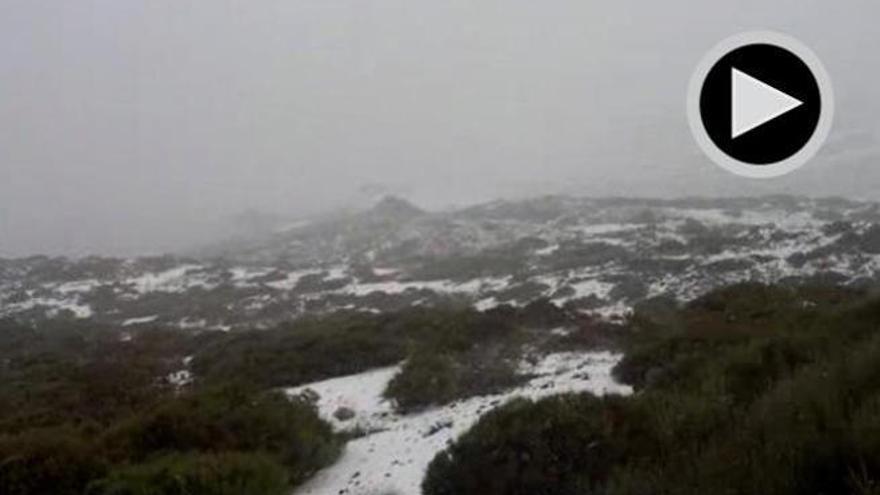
(393, 454)
(597, 256)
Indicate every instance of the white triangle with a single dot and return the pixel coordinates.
(754, 103)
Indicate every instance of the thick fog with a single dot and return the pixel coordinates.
(143, 126)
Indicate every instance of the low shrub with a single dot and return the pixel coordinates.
(56, 461)
(230, 473)
(230, 418)
(426, 379)
(465, 355)
(750, 389)
(557, 446)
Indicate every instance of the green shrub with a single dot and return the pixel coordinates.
(557, 446)
(229, 473)
(55, 461)
(223, 440)
(313, 349)
(456, 355)
(304, 351)
(231, 418)
(80, 375)
(437, 378)
(750, 389)
(426, 379)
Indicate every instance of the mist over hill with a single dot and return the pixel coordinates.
(137, 127)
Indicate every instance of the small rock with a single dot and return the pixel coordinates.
(344, 413)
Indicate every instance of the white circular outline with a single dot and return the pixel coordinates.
(795, 161)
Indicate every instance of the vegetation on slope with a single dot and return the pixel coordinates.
(93, 410)
(750, 389)
(85, 412)
(450, 352)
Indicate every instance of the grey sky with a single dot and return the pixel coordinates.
(136, 126)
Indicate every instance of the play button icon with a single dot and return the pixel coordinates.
(760, 104)
(755, 103)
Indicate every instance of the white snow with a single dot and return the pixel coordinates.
(361, 393)
(180, 378)
(546, 251)
(771, 235)
(173, 280)
(611, 311)
(202, 324)
(486, 304)
(591, 287)
(292, 278)
(53, 305)
(242, 276)
(561, 331)
(77, 286)
(393, 455)
(599, 229)
(336, 273)
(473, 286)
(758, 216)
(78, 310)
(140, 320)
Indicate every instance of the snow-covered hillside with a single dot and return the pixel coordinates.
(588, 256)
(598, 256)
(393, 451)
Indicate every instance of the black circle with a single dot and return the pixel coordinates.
(778, 139)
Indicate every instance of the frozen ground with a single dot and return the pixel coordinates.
(392, 456)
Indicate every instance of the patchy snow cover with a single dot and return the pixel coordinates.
(547, 251)
(292, 278)
(336, 273)
(591, 287)
(174, 280)
(474, 286)
(180, 378)
(385, 272)
(140, 320)
(243, 276)
(201, 324)
(78, 310)
(683, 250)
(54, 307)
(600, 229)
(395, 451)
(486, 304)
(77, 286)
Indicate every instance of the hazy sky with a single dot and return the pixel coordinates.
(137, 126)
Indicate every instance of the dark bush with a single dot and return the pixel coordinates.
(197, 474)
(230, 418)
(55, 461)
(79, 402)
(750, 389)
(456, 355)
(563, 445)
(427, 378)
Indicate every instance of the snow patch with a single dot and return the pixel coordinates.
(292, 278)
(396, 450)
(140, 320)
(473, 287)
(173, 280)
